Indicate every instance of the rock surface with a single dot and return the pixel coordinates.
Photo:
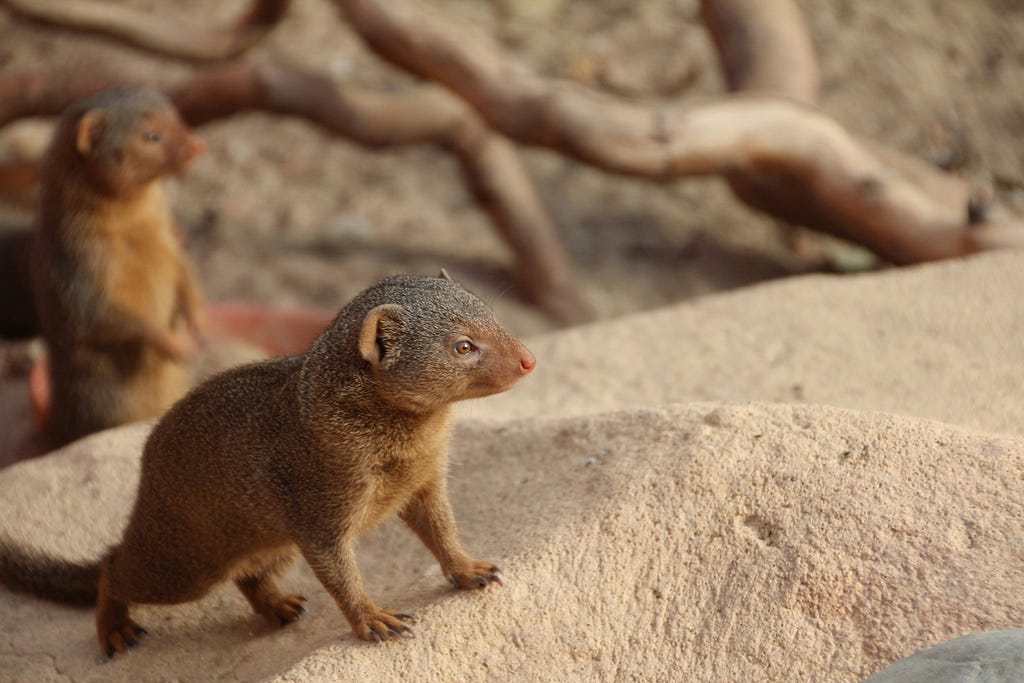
(648, 529)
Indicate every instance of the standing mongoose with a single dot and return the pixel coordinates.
(111, 282)
(301, 455)
(17, 301)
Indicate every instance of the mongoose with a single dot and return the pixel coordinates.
(111, 282)
(17, 301)
(302, 454)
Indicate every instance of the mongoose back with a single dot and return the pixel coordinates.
(302, 455)
(110, 280)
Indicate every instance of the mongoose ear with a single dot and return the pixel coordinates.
(444, 275)
(88, 132)
(382, 329)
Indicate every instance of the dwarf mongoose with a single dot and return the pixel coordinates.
(111, 282)
(17, 302)
(302, 455)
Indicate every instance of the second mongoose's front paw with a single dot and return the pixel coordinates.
(475, 574)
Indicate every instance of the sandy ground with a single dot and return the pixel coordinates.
(800, 480)
(647, 534)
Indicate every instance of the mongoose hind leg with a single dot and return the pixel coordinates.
(267, 599)
(258, 583)
(116, 631)
(130, 576)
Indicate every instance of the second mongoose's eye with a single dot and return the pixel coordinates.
(152, 136)
(463, 346)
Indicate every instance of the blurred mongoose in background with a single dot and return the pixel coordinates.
(111, 282)
(302, 455)
(17, 301)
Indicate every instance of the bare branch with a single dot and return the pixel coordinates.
(763, 45)
(180, 40)
(825, 179)
(41, 94)
(427, 114)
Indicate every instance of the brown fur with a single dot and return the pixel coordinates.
(17, 300)
(110, 278)
(301, 455)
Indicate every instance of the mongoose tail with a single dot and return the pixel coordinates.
(72, 583)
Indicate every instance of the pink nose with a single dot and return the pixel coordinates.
(527, 362)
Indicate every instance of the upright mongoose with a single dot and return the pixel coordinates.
(111, 282)
(301, 455)
(17, 301)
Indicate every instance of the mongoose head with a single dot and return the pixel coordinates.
(425, 342)
(127, 137)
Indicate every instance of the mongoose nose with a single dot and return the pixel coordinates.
(527, 362)
(192, 147)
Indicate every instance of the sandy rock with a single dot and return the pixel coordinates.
(725, 540)
(942, 341)
(732, 542)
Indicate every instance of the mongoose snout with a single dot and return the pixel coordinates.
(527, 362)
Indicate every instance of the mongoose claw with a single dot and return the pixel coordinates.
(384, 625)
(290, 609)
(123, 637)
(477, 575)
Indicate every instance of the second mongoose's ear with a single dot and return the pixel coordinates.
(382, 329)
(88, 132)
(444, 275)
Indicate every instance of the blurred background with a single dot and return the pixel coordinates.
(278, 211)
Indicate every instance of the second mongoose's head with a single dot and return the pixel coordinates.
(424, 342)
(127, 137)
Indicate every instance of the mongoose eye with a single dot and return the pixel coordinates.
(152, 136)
(464, 346)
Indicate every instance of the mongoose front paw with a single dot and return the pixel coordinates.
(476, 574)
(121, 637)
(289, 609)
(380, 624)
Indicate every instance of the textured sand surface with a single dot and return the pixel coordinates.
(655, 517)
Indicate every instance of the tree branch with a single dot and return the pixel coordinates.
(825, 179)
(180, 40)
(763, 45)
(427, 114)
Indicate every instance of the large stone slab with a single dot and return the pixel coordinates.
(704, 542)
(943, 341)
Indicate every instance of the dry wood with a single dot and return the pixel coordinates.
(427, 114)
(763, 45)
(173, 38)
(822, 176)
(788, 160)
